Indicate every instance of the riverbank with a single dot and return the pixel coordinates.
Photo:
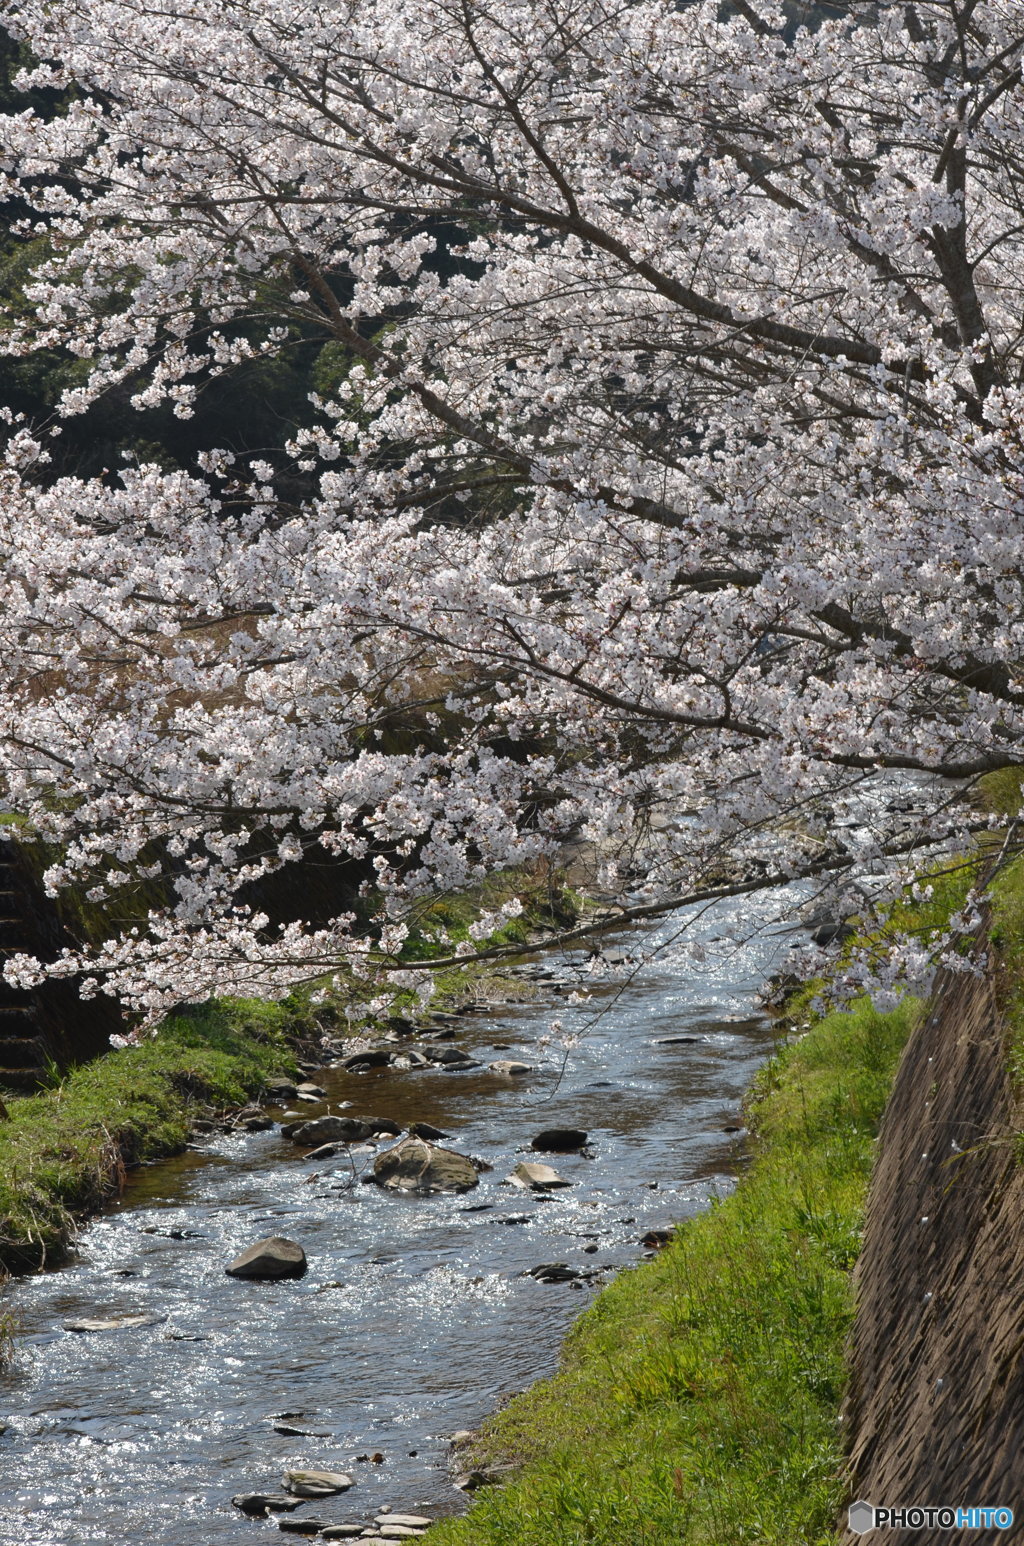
(700, 1397)
(936, 1406)
(64, 1151)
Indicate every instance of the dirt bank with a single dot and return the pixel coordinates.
(936, 1404)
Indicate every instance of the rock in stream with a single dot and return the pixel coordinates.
(414, 1165)
(274, 1257)
(559, 1140)
(537, 1178)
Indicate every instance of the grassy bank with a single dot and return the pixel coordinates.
(699, 1395)
(64, 1151)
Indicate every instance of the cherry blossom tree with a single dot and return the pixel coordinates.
(668, 493)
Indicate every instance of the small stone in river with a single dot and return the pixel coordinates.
(315, 1484)
(410, 1521)
(257, 1124)
(311, 1100)
(537, 1178)
(308, 1088)
(510, 1067)
(281, 1089)
(342, 1532)
(274, 1257)
(424, 1130)
(450, 1056)
(260, 1504)
(302, 1526)
(397, 1532)
(384, 1125)
(559, 1140)
(114, 1323)
(331, 1150)
(553, 1272)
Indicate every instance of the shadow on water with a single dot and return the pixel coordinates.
(414, 1319)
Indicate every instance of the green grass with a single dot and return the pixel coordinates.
(1007, 936)
(1003, 793)
(64, 1151)
(922, 916)
(699, 1396)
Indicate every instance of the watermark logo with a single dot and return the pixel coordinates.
(866, 1516)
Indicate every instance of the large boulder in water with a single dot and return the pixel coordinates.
(414, 1165)
(274, 1257)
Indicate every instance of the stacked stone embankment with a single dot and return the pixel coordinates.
(936, 1409)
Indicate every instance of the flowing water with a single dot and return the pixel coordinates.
(415, 1318)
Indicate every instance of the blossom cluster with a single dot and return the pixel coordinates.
(672, 490)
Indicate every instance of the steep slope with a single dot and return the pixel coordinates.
(936, 1404)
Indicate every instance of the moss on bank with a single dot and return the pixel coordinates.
(64, 1151)
(699, 1395)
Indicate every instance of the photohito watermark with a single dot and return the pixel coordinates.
(866, 1516)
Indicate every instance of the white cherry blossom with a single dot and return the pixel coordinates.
(672, 491)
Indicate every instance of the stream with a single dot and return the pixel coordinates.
(415, 1318)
